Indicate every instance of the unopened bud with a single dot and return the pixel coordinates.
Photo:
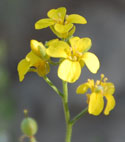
(39, 49)
(29, 126)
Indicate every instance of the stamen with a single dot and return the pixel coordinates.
(98, 82)
(74, 58)
(89, 80)
(71, 50)
(60, 21)
(79, 53)
(105, 79)
(102, 76)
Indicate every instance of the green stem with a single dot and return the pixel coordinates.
(68, 132)
(64, 96)
(66, 112)
(77, 117)
(52, 85)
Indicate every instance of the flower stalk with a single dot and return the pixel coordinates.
(52, 85)
(78, 116)
(66, 112)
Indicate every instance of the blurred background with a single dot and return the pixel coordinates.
(106, 28)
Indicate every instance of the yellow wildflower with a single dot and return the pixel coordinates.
(60, 23)
(35, 60)
(99, 89)
(74, 57)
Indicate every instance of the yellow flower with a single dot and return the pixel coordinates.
(74, 57)
(99, 90)
(35, 60)
(60, 23)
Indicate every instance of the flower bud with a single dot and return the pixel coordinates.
(29, 126)
(39, 49)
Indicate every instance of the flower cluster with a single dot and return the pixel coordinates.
(73, 53)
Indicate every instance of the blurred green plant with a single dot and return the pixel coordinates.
(7, 104)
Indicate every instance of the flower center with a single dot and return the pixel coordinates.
(75, 55)
(99, 88)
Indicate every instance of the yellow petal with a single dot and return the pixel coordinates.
(74, 42)
(32, 58)
(61, 12)
(63, 35)
(91, 61)
(69, 71)
(88, 98)
(57, 14)
(56, 33)
(75, 18)
(81, 45)
(63, 28)
(34, 44)
(58, 49)
(71, 32)
(91, 84)
(110, 104)
(81, 63)
(109, 88)
(43, 23)
(53, 14)
(42, 68)
(84, 44)
(96, 104)
(51, 42)
(38, 48)
(23, 68)
(82, 89)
